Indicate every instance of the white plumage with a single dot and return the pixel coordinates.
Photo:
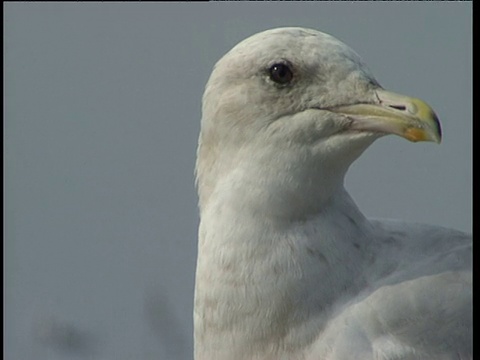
(288, 267)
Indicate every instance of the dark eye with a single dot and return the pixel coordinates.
(281, 73)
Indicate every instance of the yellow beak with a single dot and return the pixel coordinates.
(397, 114)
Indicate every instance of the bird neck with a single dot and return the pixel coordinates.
(261, 280)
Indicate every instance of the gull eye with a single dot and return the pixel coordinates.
(281, 73)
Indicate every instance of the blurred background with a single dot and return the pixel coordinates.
(102, 114)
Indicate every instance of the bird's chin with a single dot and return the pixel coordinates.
(348, 145)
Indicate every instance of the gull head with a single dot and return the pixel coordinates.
(299, 101)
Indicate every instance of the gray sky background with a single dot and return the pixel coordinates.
(102, 114)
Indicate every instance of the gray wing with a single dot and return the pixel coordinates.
(418, 304)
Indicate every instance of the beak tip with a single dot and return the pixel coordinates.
(436, 133)
(438, 139)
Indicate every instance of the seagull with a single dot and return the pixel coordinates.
(288, 267)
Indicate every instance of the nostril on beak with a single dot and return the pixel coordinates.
(398, 107)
